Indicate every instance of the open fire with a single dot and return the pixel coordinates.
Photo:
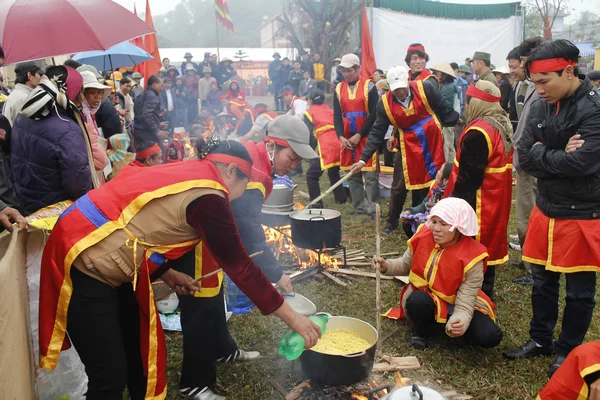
(370, 389)
(292, 257)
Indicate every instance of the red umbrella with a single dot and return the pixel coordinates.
(35, 29)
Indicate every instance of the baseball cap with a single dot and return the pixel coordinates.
(349, 61)
(294, 133)
(284, 90)
(397, 77)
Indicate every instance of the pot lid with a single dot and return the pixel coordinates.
(300, 304)
(316, 214)
(409, 393)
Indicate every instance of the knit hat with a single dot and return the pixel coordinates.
(458, 214)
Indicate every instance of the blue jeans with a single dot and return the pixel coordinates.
(581, 290)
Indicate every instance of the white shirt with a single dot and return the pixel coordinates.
(169, 101)
(299, 106)
(15, 101)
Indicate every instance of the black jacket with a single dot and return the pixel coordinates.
(108, 119)
(147, 116)
(294, 78)
(568, 183)
(247, 213)
(446, 115)
(275, 71)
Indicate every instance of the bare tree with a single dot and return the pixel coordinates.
(548, 10)
(322, 27)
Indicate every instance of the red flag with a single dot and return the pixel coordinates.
(368, 55)
(139, 42)
(151, 67)
(547, 29)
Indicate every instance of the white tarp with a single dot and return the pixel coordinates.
(445, 40)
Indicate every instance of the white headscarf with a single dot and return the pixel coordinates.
(457, 213)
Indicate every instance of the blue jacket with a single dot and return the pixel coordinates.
(49, 161)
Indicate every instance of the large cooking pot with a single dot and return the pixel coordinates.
(316, 228)
(281, 197)
(348, 369)
(414, 392)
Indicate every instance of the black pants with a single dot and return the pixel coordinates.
(420, 310)
(205, 334)
(488, 281)
(314, 173)
(103, 324)
(399, 192)
(278, 100)
(581, 290)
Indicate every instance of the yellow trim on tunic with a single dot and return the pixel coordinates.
(206, 292)
(366, 89)
(487, 139)
(58, 332)
(153, 348)
(472, 263)
(478, 212)
(257, 186)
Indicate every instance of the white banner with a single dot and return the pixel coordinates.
(445, 40)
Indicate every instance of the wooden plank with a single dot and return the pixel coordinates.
(335, 279)
(278, 387)
(358, 264)
(296, 392)
(409, 362)
(357, 273)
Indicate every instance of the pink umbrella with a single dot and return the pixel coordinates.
(35, 29)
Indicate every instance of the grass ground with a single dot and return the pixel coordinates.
(450, 363)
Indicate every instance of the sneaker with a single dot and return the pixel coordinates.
(197, 393)
(513, 236)
(240, 356)
(518, 264)
(514, 246)
(556, 363)
(524, 280)
(529, 349)
(418, 343)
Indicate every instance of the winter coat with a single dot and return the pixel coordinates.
(108, 119)
(8, 197)
(275, 68)
(49, 160)
(568, 183)
(294, 79)
(147, 116)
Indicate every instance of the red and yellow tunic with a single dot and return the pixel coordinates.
(440, 272)
(91, 219)
(354, 104)
(321, 116)
(545, 243)
(569, 382)
(260, 180)
(494, 197)
(424, 75)
(420, 135)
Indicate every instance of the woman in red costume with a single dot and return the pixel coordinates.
(236, 99)
(96, 267)
(445, 268)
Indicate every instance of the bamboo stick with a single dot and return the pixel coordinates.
(378, 277)
(335, 279)
(358, 273)
(331, 189)
(171, 291)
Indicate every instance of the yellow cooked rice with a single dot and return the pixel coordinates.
(340, 341)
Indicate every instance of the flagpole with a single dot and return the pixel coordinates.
(217, 30)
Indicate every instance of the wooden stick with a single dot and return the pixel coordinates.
(333, 278)
(297, 391)
(278, 387)
(378, 277)
(331, 189)
(358, 273)
(358, 264)
(171, 291)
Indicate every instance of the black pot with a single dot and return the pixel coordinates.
(316, 228)
(330, 370)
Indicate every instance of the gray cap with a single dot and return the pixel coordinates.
(481, 55)
(294, 131)
(89, 68)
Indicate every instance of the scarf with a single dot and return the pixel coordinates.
(128, 106)
(493, 114)
(47, 97)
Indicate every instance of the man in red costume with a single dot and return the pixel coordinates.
(560, 147)
(417, 111)
(482, 173)
(417, 60)
(354, 110)
(148, 154)
(206, 339)
(578, 377)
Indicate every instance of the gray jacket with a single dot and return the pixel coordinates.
(530, 96)
(305, 87)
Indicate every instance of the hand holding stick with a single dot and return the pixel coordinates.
(170, 292)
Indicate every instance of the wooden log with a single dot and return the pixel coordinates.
(358, 264)
(335, 279)
(305, 273)
(296, 392)
(358, 273)
(278, 387)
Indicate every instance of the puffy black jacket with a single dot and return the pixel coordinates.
(147, 116)
(568, 183)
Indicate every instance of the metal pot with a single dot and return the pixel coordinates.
(414, 392)
(316, 228)
(348, 369)
(281, 197)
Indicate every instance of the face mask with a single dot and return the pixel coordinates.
(271, 154)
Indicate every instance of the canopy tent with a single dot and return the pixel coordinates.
(450, 10)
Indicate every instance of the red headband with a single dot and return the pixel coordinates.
(260, 109)
(550, 65)
(242, 164)
(280, 142)
(477, 93)
(416, 48)
(287, 92)
(142, 155)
